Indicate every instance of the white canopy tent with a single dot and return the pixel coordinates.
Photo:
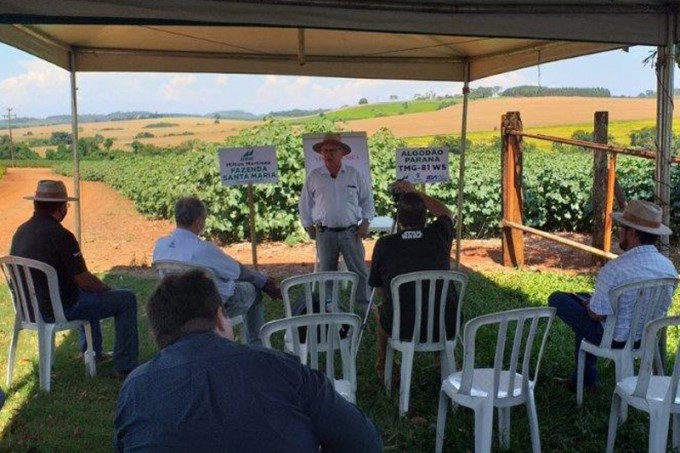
(447, 40)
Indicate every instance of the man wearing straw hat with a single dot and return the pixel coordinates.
(83, 295)
(639, 227)
(336, 208)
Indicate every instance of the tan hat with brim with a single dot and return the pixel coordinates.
(335, 139)
(51, 190)
(643, 216)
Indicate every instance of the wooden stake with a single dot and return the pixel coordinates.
(253, 233)
(511, 165)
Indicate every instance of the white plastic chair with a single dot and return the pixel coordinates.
(656, 395)
(652, 299)
(330, 298)
(510, 382)
(446, 346)
(323, 337)
(19, 274)
(167, 267)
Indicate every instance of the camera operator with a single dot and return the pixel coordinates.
(414, 247)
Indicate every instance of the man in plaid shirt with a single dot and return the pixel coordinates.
(639, 228)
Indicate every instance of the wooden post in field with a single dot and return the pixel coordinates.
(600, 132)
(609, 205)
(511, 189)
(253, 232)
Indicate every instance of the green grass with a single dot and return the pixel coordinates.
(382, 109)
(78, 414)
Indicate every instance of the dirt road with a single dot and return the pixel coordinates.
(116, 236)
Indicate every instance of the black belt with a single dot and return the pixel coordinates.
(323, 228)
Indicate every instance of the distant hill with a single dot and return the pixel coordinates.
(87, 118)
(234, 115)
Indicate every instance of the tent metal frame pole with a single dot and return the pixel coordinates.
(461, 165)
(665, 87)
(74, 147)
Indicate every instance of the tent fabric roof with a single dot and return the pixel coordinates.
(399, 39)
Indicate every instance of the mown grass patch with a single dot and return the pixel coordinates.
(78, 414)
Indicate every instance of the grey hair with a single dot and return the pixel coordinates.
(188, 210)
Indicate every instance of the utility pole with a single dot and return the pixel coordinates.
(11, 141)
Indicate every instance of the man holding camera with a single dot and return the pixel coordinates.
(336, 208)
(415, 247)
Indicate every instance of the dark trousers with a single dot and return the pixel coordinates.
(570, 310)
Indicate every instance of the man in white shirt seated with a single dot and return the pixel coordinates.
(240, 288)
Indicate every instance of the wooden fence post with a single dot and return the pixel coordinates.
(600, 133)
(511, 189)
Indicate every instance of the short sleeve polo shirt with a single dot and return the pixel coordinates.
(44, 239)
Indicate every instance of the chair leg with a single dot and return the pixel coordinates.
(483, 426)
(504, 427)
(676, 431)
(389, 359)
(12, 354)
(622, 369)
(89, 357)
(45, 336)
(441, 421)
(533, 422)
(613, 422)
(405, 386)
(658, 429)
(580, 370)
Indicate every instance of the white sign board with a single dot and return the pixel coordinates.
(358, 158)
(253, 165)
(423, 165)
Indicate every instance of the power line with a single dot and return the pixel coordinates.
(9, 126)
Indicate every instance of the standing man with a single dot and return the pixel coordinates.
(336, 208)
(240, 288)
(84, 296)
(414, 247)
(204, 392)
(639, 228)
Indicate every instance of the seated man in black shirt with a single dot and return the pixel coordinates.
(415, 247)
(84, 296)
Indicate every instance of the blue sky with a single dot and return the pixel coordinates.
(32, 87)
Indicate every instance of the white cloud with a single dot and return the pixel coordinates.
(178, 88)
(40, 86)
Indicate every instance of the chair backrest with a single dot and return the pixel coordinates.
(19, 275)
(323, 333)
(167, 267)
(652, 297)
(650, 340)
(330, 293)
(514, 355)
(439, 285)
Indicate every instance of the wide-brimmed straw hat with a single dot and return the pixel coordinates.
(643, 216)
(50, 190)
(335, 139)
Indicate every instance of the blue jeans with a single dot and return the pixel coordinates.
(330, 244)
(122, 305)
(570, 310)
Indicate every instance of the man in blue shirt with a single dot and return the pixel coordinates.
(204, 392)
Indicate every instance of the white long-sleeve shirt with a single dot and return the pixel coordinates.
(183, 245)
(335, 202)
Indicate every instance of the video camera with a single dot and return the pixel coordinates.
(394, 192)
